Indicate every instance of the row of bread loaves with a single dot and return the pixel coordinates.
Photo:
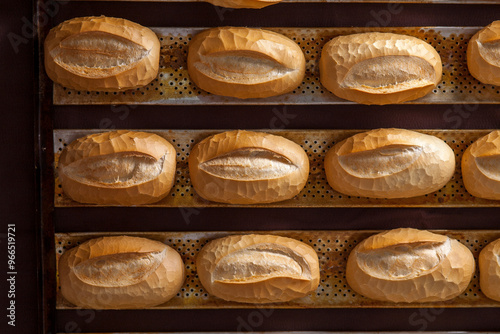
(243, 167)
(133, 168)
(402, 265)
(110, 54)
(122, 272)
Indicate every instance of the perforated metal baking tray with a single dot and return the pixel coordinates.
(332, 247)
(317, 192)
(173, 87)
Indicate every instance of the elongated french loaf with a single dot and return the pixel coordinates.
(245, 62)
(118, 168)
(389, 163)
(101, 54)
(379, 68)
(258, 268)
(409, 266)
(244, 167)
(481, 167)
(489, 270)
(120, 273)
(483, 54)
(255, 4)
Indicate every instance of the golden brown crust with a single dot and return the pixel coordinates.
(268, 168)
(118, 168)
(409, 266)
(389, 163)
(379, 68)
(258, 268)
(483, 53)
(481, 167)
(73, 52)
(120, 273)
(489, 270)
(245, 62)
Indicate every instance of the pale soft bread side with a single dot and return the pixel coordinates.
(255, 4)
(389, 163)
(243, 167)
(489, 270)
(481, 167)
(118, 168)
(483, 54)
(245, 62)
(409, 266)
(120, 272)
(258, 268)
(379, 68)
(101, 54)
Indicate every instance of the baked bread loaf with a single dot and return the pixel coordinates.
(258, 268)
(481, 167)
(255, 4)
(489, 270)
(243, 167)
(483, 54)
(409, 266)
(245, 62)
(389, 163)
(379, 68)
(120, 273)
(101, 54)
(118, 168)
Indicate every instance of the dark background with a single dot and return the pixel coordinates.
(17, 172)
(19, 182)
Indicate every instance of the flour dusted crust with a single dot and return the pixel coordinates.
(483, 54)
(481, 167)
(379, 68)
(389, 163)
(409, 266)
(245, 62)
(244, 167)
(118, 168)
(101, 54)
(258, 268)
(120, 272)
